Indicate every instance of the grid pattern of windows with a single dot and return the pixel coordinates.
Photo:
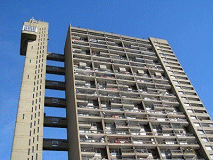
(125, 101)
(126, 98)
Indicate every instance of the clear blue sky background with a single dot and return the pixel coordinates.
(187, 25)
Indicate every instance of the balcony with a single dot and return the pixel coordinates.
(143, 142)
(119, 57)
(193, 144)
(55, 144)
(119, 141)
(166, 128)
(121, 126)
(183, 122)
(90, 153)
(175, 114)
(90, 131)
(109, 93)
(165, 134)
(159, 119)
(176, 153)
(55, 70)
(55, 85)
(142, 153)
(113, 109)
(189, 153)
(55, 122)
(141, 133)
(163, 107)
(81, 72)
(178, 127)
(86, 91)
(138, 118)
(84, 124)
(127, 153)
(167, 142)
(84, 116)
(100, 54)
(114, 116)
(125, 77)
(105, 75)
(55, 102)
(87, 104)
(84, 84)
(91, 140)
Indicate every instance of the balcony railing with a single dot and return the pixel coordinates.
(116, 132)
(91, 131)
(141, 133)
(91, 140)
(88, 115)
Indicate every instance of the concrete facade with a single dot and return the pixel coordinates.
(28, 136)
(126, 98)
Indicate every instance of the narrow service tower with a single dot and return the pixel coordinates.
(28, 136)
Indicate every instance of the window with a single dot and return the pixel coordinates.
(122, 69)
(140, 72)
(103, 67)
(204, 139)
(197, 124)
(189, 110)
(177, 87)
(82, 64)
(200, 132)
(54, 143)
(193, 117)
(158, 74)
(208, 148)
(186, 104)
(183, 98)
(180, 92)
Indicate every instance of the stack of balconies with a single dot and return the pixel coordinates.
(126, 105)
(190, 102)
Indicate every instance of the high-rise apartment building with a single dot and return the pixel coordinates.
(126, 98)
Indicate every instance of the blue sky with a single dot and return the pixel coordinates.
(187, 25)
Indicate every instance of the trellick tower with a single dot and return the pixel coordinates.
(126, 98)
